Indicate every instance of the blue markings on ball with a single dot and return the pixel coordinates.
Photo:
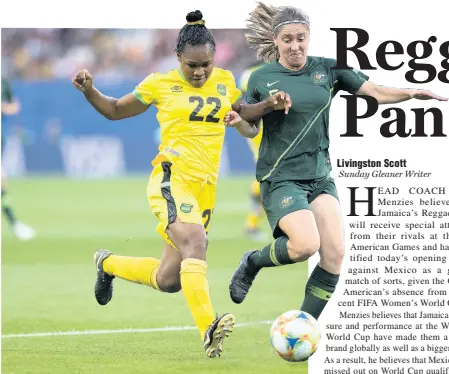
(292, 341)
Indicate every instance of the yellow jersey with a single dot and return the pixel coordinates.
(254, 143)
(191, 119)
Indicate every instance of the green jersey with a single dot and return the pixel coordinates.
(295, 146)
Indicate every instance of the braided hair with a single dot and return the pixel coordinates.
(265, 22)
(194, 33)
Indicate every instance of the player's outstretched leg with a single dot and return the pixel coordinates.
(103, 285)
(213, 338)
(140, 270)
(298, 245)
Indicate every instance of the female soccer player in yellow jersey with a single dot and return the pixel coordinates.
(192, 102)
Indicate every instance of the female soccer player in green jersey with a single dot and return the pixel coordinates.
(297, 191)
(10, 107)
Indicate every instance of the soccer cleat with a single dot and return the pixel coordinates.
(22, 231)
(242, 279)
(103, 285)
(215, 334)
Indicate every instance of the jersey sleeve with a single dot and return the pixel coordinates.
(349, 80)
(252, 94)
(146, 91)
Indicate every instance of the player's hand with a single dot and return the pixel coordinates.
(83, 80)
(280, 101)
(232, 118)
(426, 95)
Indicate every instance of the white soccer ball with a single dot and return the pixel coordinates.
(295, 335)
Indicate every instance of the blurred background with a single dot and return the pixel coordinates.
(111, 55)
(57, 132)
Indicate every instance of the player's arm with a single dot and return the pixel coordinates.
(115, 109)
(245, 128)
(356, 82)
(110, 107)
(254, 112)
(255, 107)
(392, 95)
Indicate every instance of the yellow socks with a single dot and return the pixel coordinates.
(255, 190)
(196, 290)
(252, 221)
(140, 270)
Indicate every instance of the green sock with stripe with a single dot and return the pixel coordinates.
(319, 289)
(275, 254)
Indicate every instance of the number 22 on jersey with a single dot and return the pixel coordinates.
(197, 114)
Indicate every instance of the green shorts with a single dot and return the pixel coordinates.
(282, 198)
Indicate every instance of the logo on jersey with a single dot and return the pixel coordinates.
(319, 77)
(270, 84)
(287, 201)
(176, 89)
(221, 88)
(186, 208)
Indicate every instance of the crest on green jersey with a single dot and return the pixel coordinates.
(221, 88)
(319, 77)
(287, 201)
(186, 208)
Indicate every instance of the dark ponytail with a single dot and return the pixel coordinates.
(194, 33)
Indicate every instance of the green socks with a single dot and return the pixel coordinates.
(275, 254)
(319, 289)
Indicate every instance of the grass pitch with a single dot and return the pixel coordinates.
(47, 286)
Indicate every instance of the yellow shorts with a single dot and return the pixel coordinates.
(171, 195)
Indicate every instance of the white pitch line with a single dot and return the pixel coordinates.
(121, 331)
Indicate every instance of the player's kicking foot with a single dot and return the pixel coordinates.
(215, 334)
(103, 285)
(22, 231)
(242, 279)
